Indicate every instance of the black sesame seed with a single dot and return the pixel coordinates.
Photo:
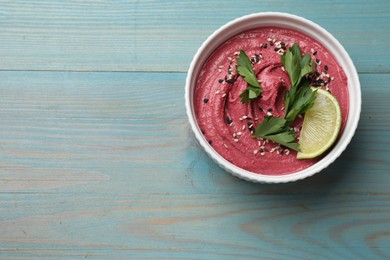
(271, 43)
(260, 109)
(249, 123)
(249, 118)
(269, 109)
(228, 120)
(326, 67)
(230, 80)
(265, 46)
(205, 100)
(276, 49)
(282, 44)
(317, 60)
(220, 80)
(284, 48)
(315, 53)
(281, 152)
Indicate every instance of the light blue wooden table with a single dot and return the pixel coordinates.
(97, 159)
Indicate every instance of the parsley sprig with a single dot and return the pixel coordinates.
(244, 68)
(300, 97)
(276, 129)
(297, 100)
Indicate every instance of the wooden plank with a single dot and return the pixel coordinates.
(112, 133)
(197, 226)
(164, 35)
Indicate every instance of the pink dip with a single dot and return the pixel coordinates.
(226, 122)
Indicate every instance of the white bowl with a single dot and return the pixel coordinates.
(291, 22)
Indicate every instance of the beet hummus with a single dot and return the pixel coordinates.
(228, 125)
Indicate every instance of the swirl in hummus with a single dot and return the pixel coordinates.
(228, 125)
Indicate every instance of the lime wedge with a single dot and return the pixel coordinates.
(321, 126)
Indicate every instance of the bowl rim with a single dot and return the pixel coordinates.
(297, 23)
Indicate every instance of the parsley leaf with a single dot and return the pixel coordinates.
(277, 130)
(244, 68)
(297, 100)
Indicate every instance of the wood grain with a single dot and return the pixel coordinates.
(97, 159)
(200, 226)
(66, 131)
(164, 35)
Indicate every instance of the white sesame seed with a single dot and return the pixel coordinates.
(272, 150)
(224, 95)
(256, 118)
(282, 108)
(244, 117)
(255, 151)
(312, 50)
(274, 40)
(283, 69)
(236, 140)
(230, 58)
(259, 143)
(261, 45)
(269, 113)
(243, 127)
(262, 153)
(217, 92)
(287, 151)
(277, 151)
(219, 70)
(240, 118)
(239, 133)
(220, 66)
(231, 124)
(237, 53)
(269, 39)
(225, 145)
(262, 147)
(332, 78)
(234, 135)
